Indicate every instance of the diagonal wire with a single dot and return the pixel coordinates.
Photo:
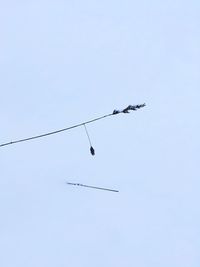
(126, 110)
(53, 132)
(94, 187)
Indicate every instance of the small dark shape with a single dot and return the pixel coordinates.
(116, 112)
(92, 151)
(126, 110)
(130, 107)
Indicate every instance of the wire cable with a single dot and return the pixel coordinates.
(126, 110)
(53, 132)
(94, 187)
(87, 135)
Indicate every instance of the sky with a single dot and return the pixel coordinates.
(65, 62)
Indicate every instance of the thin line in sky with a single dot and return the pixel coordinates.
(93, 187)
(126, 110)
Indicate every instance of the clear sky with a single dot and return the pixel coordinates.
(64, 62)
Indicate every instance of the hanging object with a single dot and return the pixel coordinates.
(94, 187)
(92, 151)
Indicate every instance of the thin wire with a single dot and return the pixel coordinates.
(87, 135)
(54, 132)
(94, 187)
(126, 110)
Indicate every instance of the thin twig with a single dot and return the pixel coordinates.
(94, 187)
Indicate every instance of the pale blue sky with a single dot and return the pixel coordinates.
(63, 62)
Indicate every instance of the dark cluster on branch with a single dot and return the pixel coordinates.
(127, 109)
